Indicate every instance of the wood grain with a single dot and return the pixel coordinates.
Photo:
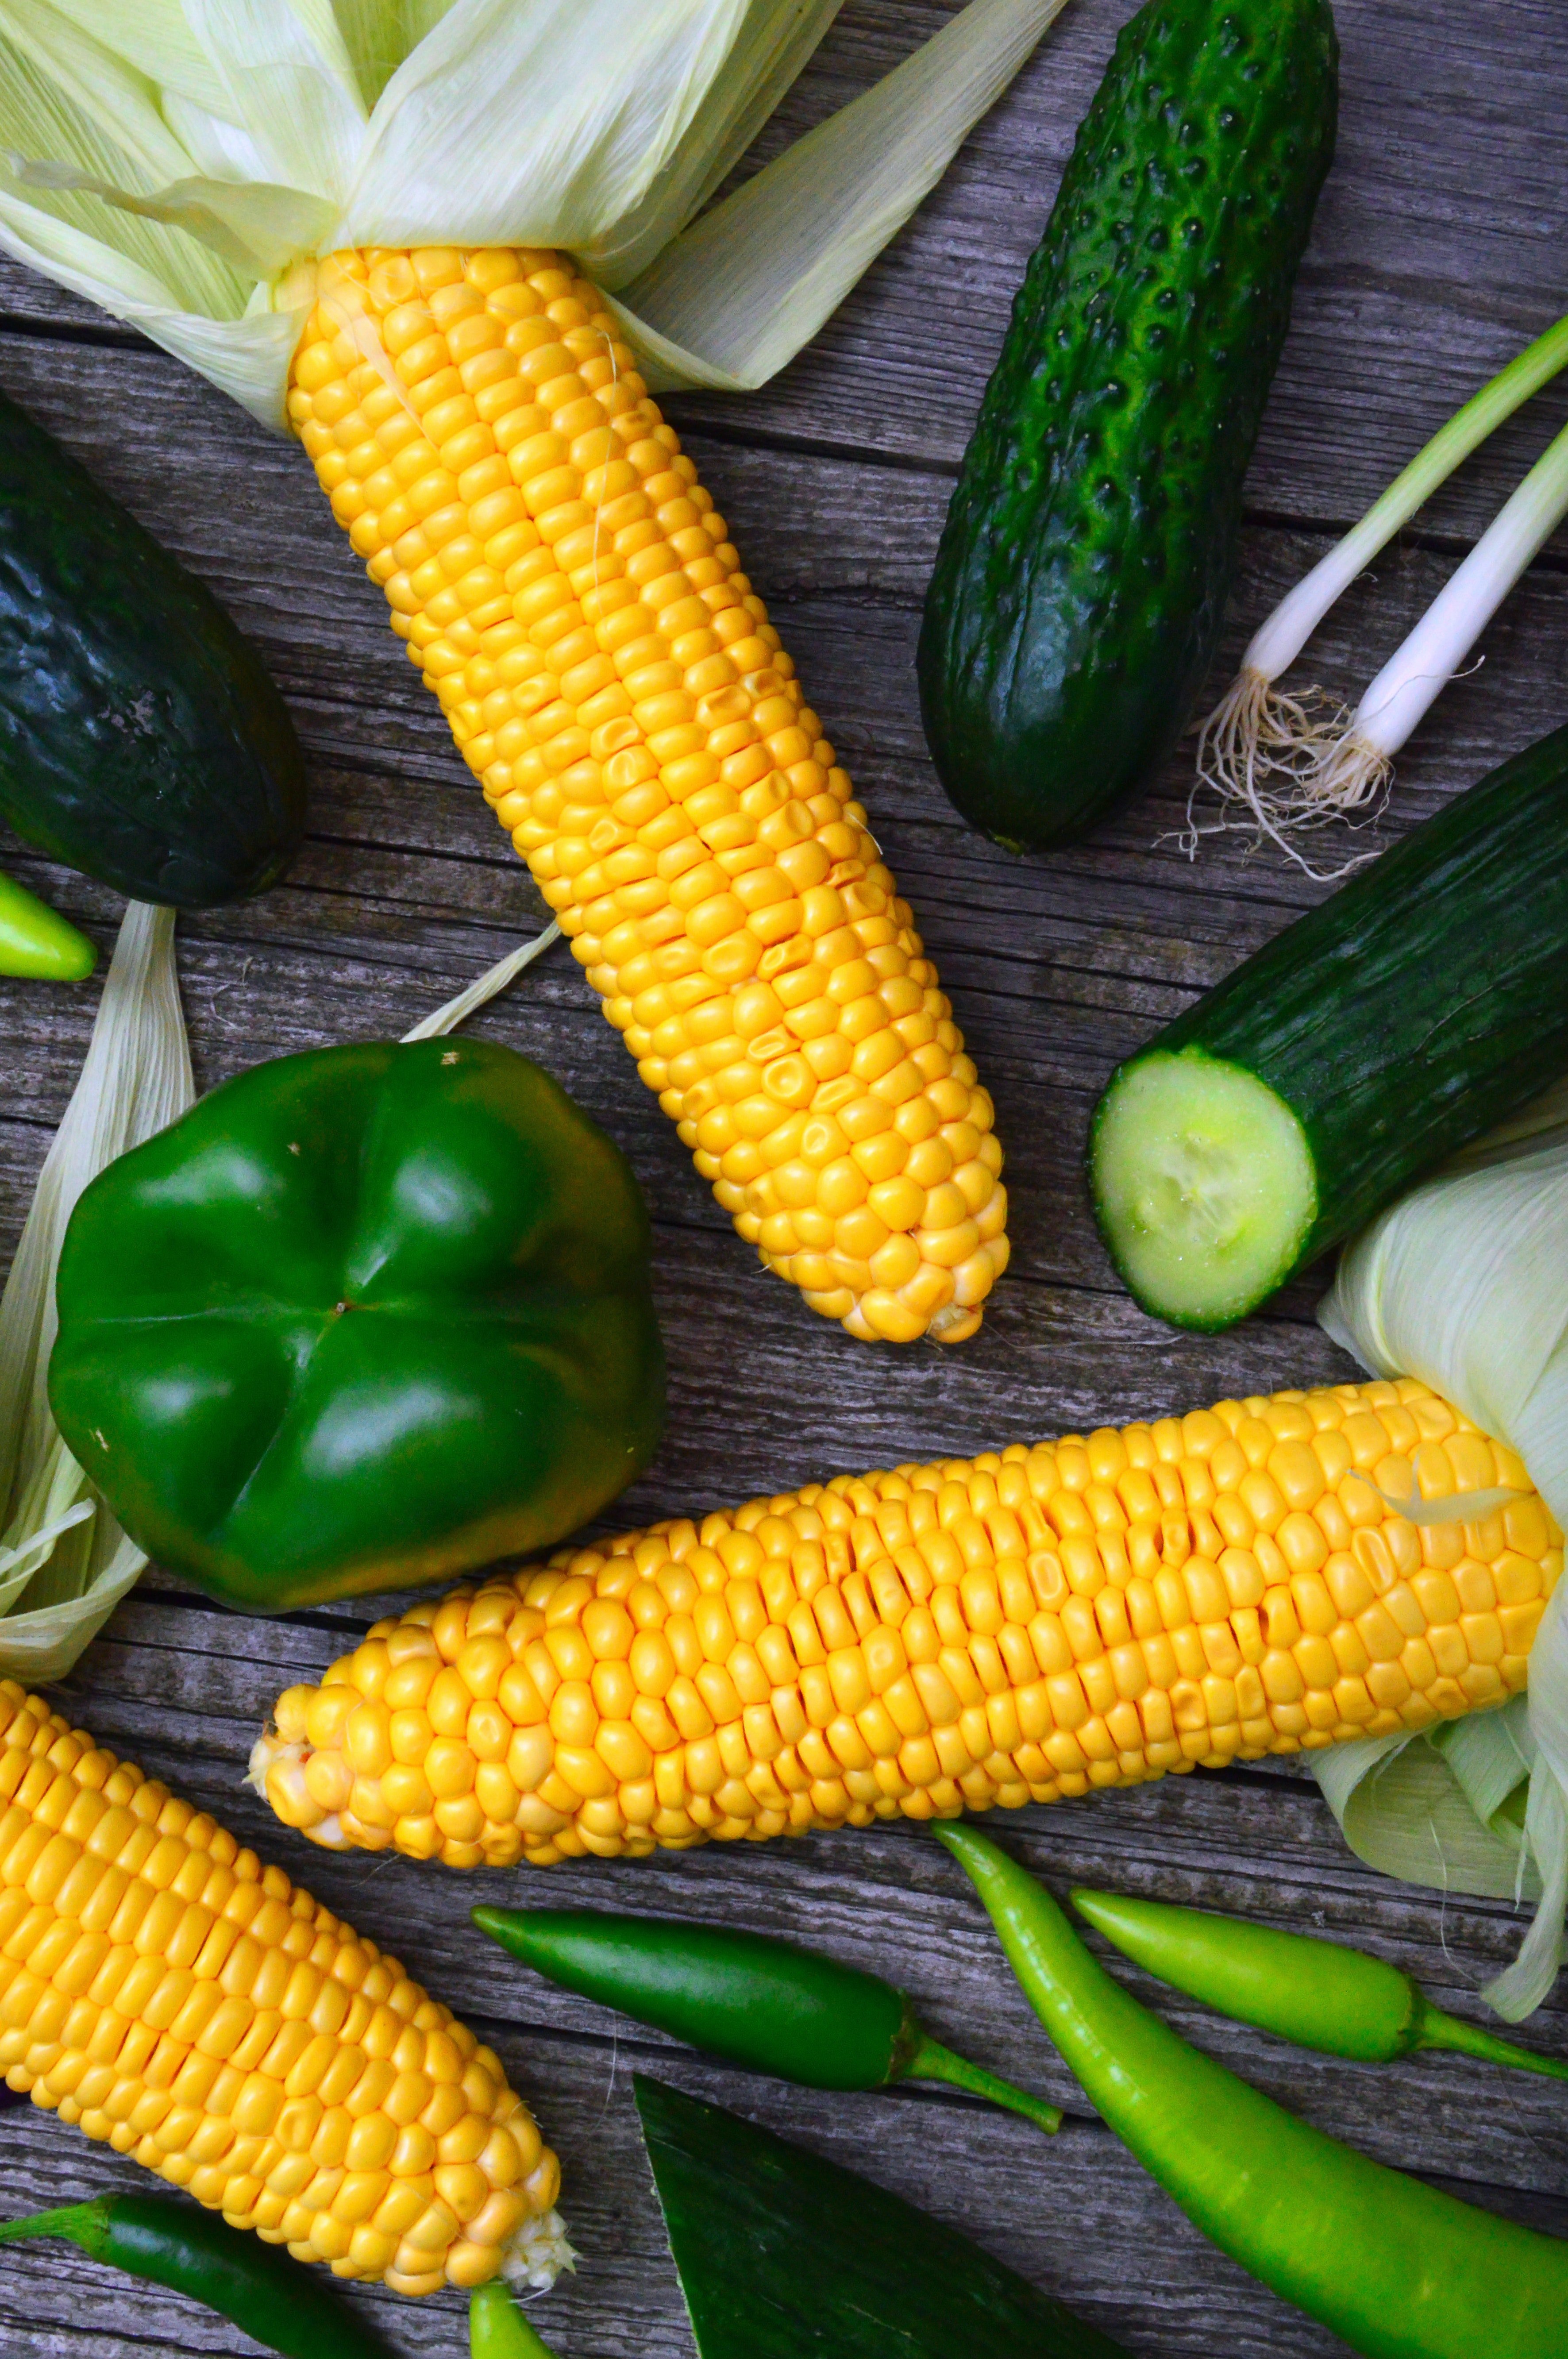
(1436, 254)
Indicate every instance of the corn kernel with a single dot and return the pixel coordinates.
(227, 2060)
(782, 1675)
(513, 506)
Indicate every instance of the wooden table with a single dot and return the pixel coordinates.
(1438, 250)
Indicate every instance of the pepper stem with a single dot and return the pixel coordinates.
(1440, 2030)
(932, 2061)
(72, 2220)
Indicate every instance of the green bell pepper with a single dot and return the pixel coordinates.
(363, 1318)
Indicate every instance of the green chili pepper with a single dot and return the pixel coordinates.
(756, 2001)
(169, 2243)
(1318, 1993)
(497, 2329)
(36, 941)
(1396, 2269)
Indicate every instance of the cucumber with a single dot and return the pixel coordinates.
(1081, 576)
(141, 740)
(1402, 1018)
(783, 2255)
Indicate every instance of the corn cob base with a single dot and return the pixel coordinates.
(1013, 1629)
(163, 1990)
(564, 585)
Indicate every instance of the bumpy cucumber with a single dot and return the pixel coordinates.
(141, 740)
(1378, 1033)
(1081, 576)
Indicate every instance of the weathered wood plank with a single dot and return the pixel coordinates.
(183, 1688)
(1433, 259)
(1436, 255)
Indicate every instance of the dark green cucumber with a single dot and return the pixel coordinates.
(141, 739)
(1403, 1016)
(782, 2256)
(1081, 576)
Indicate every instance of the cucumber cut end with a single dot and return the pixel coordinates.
(1203, 1184)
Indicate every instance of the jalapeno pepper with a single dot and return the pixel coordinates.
(1397, 2269)
(756, 2002)
(1318, 1994)
(169, 2243)
(497, 2329)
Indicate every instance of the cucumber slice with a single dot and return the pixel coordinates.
(1417, 1007)
(1206, 1178)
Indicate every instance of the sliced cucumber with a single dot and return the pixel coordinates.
(1421, 1005)
(1205, 1176)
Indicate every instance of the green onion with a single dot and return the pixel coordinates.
(1281, 766)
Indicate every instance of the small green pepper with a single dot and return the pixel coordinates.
(361, 1318)
(1318, 1993)
(1396, 2268)
(36, 941)
(169, 2243)
(756, 2001)
(497, 2329)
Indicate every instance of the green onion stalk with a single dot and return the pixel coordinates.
(1281, 765)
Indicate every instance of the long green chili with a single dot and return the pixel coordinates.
(1318, 1994)
(1398, 2270)
(756, 2001)
(169, 2243)
(497, 2329)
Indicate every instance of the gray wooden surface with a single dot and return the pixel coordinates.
(1438, 250)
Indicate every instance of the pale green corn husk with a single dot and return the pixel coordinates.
(1464, 1283)
(64, 1561)
(177, 162)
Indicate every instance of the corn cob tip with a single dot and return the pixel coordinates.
(1266, 1576)
(567, 589)
(166, 1992)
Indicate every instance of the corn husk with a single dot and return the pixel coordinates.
(64, 1561)
(183, 163)
(1464, 1283)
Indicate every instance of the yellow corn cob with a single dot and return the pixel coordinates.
(163, 1990)
(1006, 1629)
(564, 585)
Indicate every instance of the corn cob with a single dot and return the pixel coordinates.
(1013, 1629)
(564, 584)
(162, 1990)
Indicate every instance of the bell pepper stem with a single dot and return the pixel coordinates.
(1440, 2030)
(498, 2328)
(932, 2061)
